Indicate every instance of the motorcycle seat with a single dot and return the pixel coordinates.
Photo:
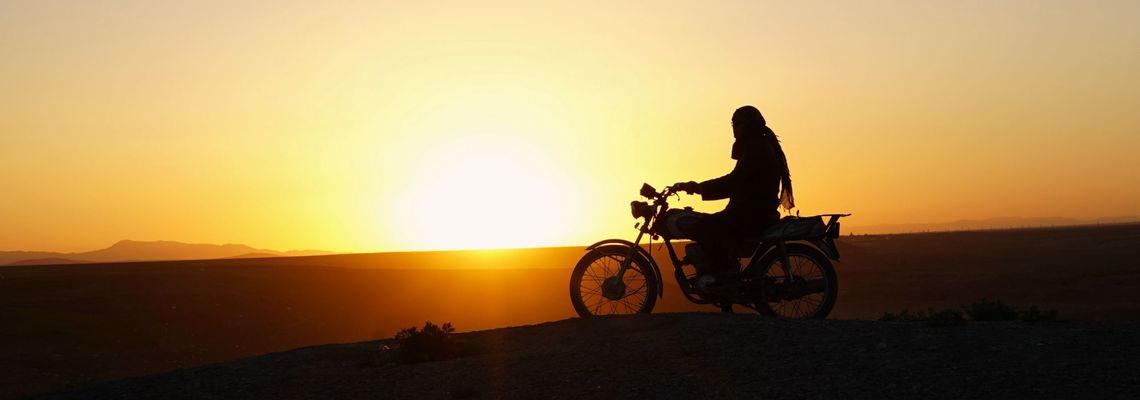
(792, 228)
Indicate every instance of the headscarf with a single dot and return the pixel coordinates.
(748, 125)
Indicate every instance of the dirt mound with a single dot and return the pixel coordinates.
(693, 356)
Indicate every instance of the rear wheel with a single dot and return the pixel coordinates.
(810, 293)
(596, 290)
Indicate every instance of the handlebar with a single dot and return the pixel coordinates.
(649, 192)
(664, 193)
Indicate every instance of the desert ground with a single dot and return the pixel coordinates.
(692, 356)
(70, 326)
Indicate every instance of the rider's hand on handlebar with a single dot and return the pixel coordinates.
(689, 187)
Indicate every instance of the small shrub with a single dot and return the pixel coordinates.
(982, 310)
(432, 343)
(947, 317)
(986, 310)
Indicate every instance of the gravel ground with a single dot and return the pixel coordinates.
(676, 356)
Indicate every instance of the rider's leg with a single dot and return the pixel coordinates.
(717, 234)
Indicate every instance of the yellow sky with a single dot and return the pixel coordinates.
(365, 126)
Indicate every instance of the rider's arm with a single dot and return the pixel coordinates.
(753, 158)
(725, 186)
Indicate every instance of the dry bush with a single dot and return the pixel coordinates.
(981, 310)
(432, 343)
(987, 310)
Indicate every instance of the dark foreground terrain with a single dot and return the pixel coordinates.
(74, 325)
(680, 356)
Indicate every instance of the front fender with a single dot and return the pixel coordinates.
(644, 254)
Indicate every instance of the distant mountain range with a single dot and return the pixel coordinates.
(981, 224)
(132, 250)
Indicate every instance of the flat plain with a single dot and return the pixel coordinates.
(73, 325)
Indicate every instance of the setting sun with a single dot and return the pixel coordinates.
(485, 192)
(401, 126)
(248, 199)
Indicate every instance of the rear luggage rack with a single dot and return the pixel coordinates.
(827, 242)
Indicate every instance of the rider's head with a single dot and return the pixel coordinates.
(747, 121)
(749, 124)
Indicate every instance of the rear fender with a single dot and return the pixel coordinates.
(646, 258)
(767, 251)
(827, 246)
(826, 243)
(774, 253)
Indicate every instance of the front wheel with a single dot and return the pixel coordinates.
(596, 290)
(811, 290)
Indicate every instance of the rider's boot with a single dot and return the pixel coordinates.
(726, 308)
(705, 281)
(716, 278)
(705, 277)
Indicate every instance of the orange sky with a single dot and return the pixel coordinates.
(367, 126)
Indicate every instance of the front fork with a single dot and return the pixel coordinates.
(624, 265)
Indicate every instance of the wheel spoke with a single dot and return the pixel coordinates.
(626, 303)
(804, 269)
(592, 291)
(635, 292)
(634, 297)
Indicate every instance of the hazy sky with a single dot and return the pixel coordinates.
(367, 126)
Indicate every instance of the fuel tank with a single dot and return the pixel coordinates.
(677, 223)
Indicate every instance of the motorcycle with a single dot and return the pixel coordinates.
(786, 270)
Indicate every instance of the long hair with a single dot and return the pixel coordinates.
(749, 121)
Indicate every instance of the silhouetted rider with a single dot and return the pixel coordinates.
(756, 187)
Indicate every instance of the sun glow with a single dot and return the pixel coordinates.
(357, 127)
(485, 193)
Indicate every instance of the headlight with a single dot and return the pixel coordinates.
(648, 191)
(640, 209)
